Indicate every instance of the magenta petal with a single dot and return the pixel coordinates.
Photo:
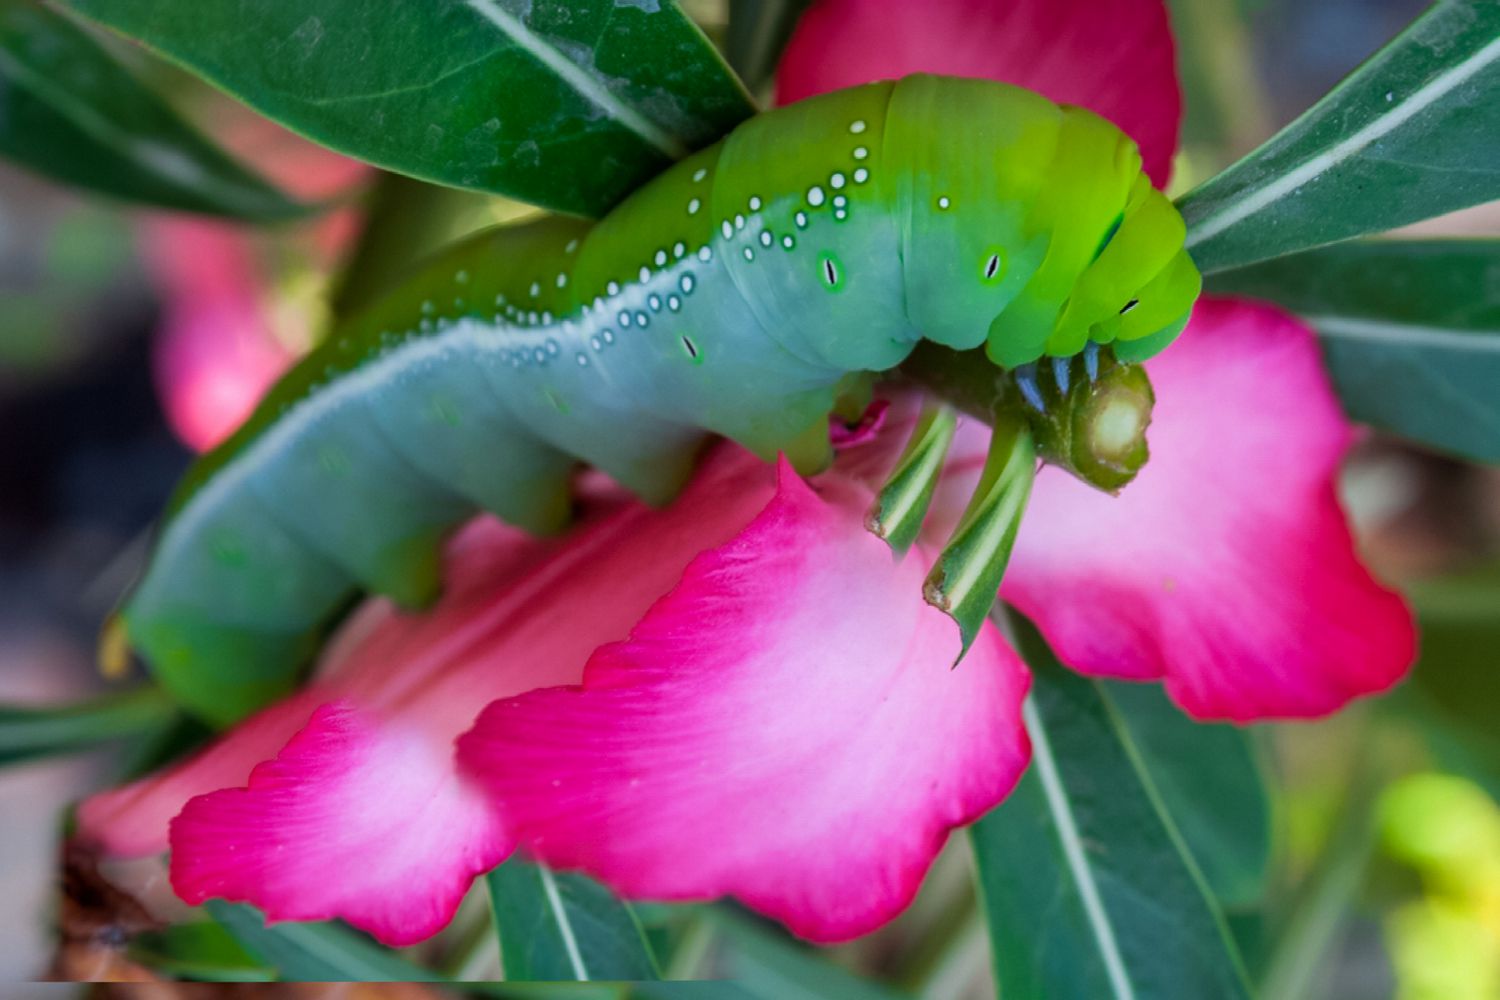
(1227, 568)
(356, 818)
(1114, 57)
(131, 821)
(784, 727)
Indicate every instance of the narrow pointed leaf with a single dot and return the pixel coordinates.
(1410, 328)
(570, 105)
(1211, 786)
(28, 732)
(564, 926)
(1087, 885)
(71, 112)
(1409, 135)
(968, 571)
(902, 502)
(314, 952)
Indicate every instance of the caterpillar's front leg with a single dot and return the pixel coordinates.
(1087, 414)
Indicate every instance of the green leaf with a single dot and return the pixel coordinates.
(28, 732)
(1087, 885)
(570, 105)
(1409, 135)
(766, 965)
(314, 952)
(204, 951)
(1211, 785)
(758, 31)
(70, 111)
(561, 925)
(1411, 330)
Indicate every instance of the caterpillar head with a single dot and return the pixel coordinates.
(1140, 288)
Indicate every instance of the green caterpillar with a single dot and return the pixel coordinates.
(733, 295)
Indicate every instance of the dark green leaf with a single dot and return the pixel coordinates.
(203, 951)
(1088, 887)
(1454, 690)
(763, 964)
(758, 31)
(27, 732)
(1411, 330)
(1409, 135)
(561, 925)
(1211, 786)
(314, 952)
(570, 105)
(71, 112)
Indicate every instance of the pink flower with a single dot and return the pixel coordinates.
(226, 332)
(744, 693)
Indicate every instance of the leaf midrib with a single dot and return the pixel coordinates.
(1314, 167)
(575, 76)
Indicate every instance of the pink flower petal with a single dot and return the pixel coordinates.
(359, 817)
(1227, 568)
(785, 727)
(395, 690)
(216, 352)
(131, 821)
(1114, 57)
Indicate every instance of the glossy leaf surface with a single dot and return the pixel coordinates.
(561, 925)
(1087, 884)
(1211, 786)
(1411, 330)
(570, 105)
(71, 112)
(1409, 135)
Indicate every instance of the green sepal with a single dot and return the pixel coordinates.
(902, 503)
(967, 575)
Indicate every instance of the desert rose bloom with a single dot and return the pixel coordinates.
(744, 693)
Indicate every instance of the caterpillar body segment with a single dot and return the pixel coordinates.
(736, 294)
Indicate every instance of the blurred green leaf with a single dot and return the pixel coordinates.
(1411, 330)
(71, 112)
(405, 221)
(561, 925)
(758, 31)
(570, 105)
(1211, 787)
(203, 951)
(28, 732)
(1409, 135)
(1309, 927)
(1456, 683)
(764, 964)
(1087, 885)
(314, 952)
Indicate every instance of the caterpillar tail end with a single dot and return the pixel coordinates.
(966, 578)
(1094, 416)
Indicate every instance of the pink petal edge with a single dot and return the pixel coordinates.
(1227, 569)
(783, 727)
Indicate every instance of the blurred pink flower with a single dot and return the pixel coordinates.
(227, 330)
(743, 693)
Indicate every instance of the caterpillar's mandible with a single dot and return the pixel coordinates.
(729, 296)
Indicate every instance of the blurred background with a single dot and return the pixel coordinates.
(130, 339)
